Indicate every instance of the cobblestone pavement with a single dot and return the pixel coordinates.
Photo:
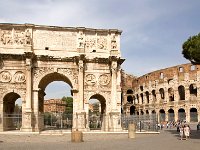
(166, 140)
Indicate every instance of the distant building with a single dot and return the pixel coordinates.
(54, 106)
(95, 107)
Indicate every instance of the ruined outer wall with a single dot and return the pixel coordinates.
(171, 88)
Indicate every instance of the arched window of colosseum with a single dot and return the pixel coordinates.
(181, 114)
(161, 75)
(142, 113)
(141, 88)
(193, 91)
(162, 93)
(154, 95)
(180, 69)
(162, 115)
(129, 91)
(153, 112)
(130, 99)
(192, 67)
(132, 110)
(137, 113)
(171, 94)
(170, 115)
(170, 81)
(193, 115)
(147, 96)
(147, 112)
(181, 91)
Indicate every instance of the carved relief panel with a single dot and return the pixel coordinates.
(72, 73)
(95, 81)
(102, 42)
(12, 77)
(5, 76)
(15, 37)
(19, 77)
(90, 42)
(55, 40)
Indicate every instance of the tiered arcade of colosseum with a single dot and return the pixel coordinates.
(172, 93)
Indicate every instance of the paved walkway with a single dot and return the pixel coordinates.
(166, 140)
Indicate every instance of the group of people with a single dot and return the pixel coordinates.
(184, 131)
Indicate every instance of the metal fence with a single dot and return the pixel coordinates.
(95, 121)
(58, 121)
(142, 122)
(12, 121)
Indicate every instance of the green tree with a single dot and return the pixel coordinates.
(191, 49)
(69, 102)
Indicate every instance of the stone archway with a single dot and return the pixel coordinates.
(44, 82)
(89, 60)
(97, 117)
(11, 120)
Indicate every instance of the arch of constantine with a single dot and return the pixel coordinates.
(172, 93)
(32, 56)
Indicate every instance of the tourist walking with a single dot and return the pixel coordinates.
(181, 132)
(187, 131)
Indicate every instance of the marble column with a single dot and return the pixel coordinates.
(27, 117)
(79, 112)
(81, 84)
(114, 83)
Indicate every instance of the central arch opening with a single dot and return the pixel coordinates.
(55, 102)
(97, 109)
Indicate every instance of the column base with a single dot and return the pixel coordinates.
(27, 122)
(80, 122)
(115, 119)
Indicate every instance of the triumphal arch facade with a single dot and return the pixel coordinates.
(32, 56)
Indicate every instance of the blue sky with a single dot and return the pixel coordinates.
(153, 30)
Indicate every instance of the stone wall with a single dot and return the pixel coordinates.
(174, 90)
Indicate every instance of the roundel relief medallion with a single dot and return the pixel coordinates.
(5, 76)
(19, 77)
(104, 79)
(90, 79)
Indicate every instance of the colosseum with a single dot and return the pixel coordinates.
(172, 93)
